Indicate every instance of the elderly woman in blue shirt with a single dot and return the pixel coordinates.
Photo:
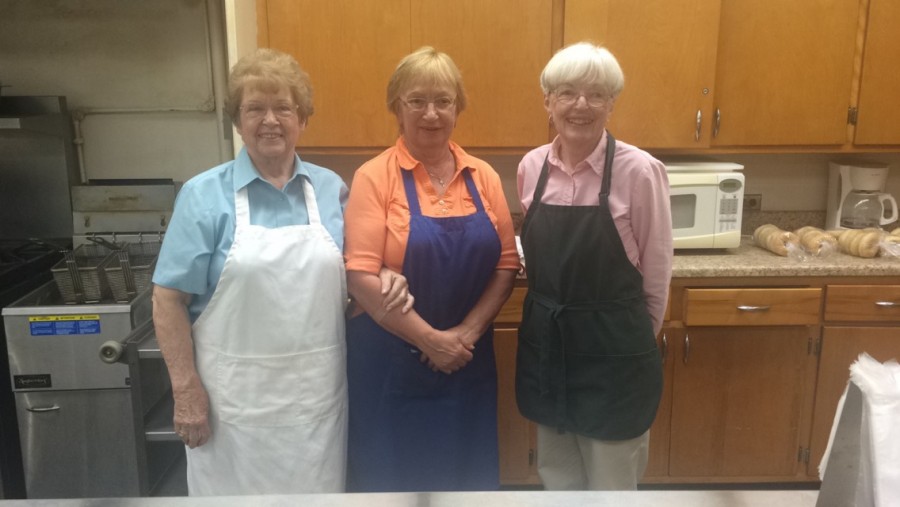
(249, 297)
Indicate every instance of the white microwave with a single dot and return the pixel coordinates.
(707, 200)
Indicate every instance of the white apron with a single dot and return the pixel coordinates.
(270, 351)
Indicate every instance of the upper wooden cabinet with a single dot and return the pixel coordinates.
(501, 49)
(784, 72)
(879, 100)
(351, 47)
(667, 50)
(737, 73)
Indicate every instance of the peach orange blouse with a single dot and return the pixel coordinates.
(376, 220)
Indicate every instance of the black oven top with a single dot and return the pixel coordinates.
(21, 259)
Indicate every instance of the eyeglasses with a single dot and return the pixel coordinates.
(254, 111)
(421, 103)
(567, 97)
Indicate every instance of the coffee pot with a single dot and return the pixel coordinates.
(865, 208)
(856, 196)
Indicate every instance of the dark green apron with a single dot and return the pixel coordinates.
(587, 360)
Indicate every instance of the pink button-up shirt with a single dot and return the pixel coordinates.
(638, 200)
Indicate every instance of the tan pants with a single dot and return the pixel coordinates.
(573, 462)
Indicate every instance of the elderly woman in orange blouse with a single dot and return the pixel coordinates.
(422, 385)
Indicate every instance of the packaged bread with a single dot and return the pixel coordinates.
(890, 244)
(816, 241)
(861, 242)
(775, 240)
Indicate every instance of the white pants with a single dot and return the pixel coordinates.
(573, 462)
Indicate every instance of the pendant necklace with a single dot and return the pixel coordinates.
(439, 179)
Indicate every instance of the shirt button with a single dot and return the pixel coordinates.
(441, 202)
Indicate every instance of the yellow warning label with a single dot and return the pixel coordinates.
(60, 318)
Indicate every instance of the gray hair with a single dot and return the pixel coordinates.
(583, 64)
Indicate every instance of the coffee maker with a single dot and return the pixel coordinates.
(856, 197)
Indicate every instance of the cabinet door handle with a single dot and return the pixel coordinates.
(52, 408)
(886, 304)
(717, 122)
(687, 348)
(664, 352)
(699, 123)
(748, 308)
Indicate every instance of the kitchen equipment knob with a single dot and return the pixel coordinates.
(111, 352)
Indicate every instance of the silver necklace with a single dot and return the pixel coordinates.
(438, 178)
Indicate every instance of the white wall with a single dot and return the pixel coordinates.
(139, 72)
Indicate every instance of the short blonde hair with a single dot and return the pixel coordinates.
(426, 66)
(583, 64)
(268, 70)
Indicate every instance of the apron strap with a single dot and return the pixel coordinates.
(409, 186)
(545, 175)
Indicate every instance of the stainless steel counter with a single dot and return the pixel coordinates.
(493, 499)
(749, 260)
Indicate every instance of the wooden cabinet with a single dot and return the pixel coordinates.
(742, 384)
(752, 376)
(517, 435)
(784, 71)
(351, 47)
(501, 49)
(879, 101)
(658, 458)
(736, 73)
(667, 50)
(858, 318)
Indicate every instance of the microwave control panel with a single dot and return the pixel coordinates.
(730, 196)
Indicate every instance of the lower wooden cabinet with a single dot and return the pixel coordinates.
(752, 377)
(517, 435)
(841, 346)
(858, 318)
(741, 403)
(658, 459)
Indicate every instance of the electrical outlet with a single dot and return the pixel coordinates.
(752, 202)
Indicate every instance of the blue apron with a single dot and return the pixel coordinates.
(412, 429)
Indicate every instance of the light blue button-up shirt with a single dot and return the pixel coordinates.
(201, 231)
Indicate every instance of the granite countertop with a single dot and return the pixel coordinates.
(749, 260)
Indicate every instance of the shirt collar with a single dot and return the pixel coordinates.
(595, 160)
(245, 172)
(408, 162)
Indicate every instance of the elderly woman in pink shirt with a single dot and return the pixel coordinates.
(597, 239)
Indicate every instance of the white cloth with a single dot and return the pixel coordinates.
(863, 454)
(270, 351)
